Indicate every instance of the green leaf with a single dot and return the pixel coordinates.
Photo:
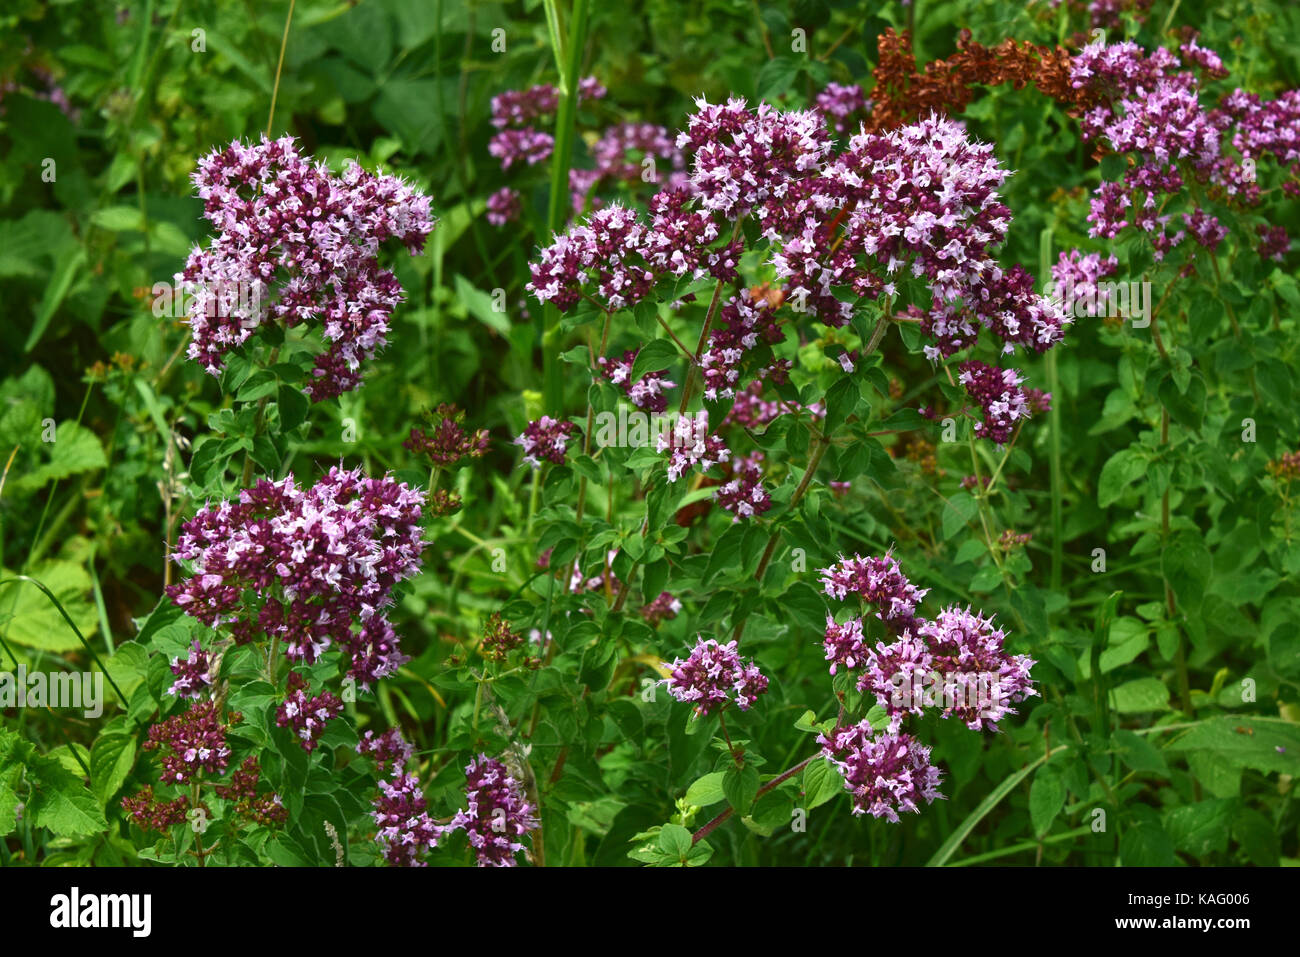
(1046, 798)
(117, 219)
(66, 813)
(1141, 694)
(1252, 830)
(75, 449)
(1201, 829)
(675, 841)
(479, 304)
(111, 758)
(65, 270)
(36, 622)
(958, 510)
(8, 809)
(1261, 744)
(821, 782)
(1187, 565)
(1138, 753)
(706, 790)
(740, 785)
(293, 405)
(841, 400)
(1121, 470)
(726, 554)
(654, 356)
(1146, 845)
(776, 76)
(59, 801)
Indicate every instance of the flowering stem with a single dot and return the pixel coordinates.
(776, 782)
(591, 414)
(533, 497)
(877, 334)
(275, 90)
(673, 336)
(722, 722)
(198, 835)
(569, 53)
(1171, 605)
(819, 449)
(688, 390)
(259, 423)
(982, 503)
(478, 703)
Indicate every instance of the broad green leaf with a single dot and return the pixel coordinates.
(821, 782)
(1141, 694)
(1046, 798)
(706, 790)
(111, 759)
(35, 621)
(1121, 470)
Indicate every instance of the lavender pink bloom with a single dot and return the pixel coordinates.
(296, 244)
(497, 813)
(318, 562)
(967, 648)
(546, 440)
(877, 581)
(883, 773)
(646, 392)
(713, 676)
(998, 394)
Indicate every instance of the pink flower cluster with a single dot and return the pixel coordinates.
(191, 742)
(998, 394)
(743, 324)
(916, 203)
(920, 200)
(389, 750)
(840, 104)
(713, 676)
(1076, 276)
(405, 828)
(883, 773)
(1150, 108)
(646, 392)
(957, 659)
(615, 157)
(967, 648)
(514, 111)
(744, 495)
(745, 161)
(193, 674)
(503, 206)
(296, 244)
(664, 608)
(956, 662)
(846, 646)
(497, 813)
(689, 445)
(307, 716)
(546, 439)
(877, 581)
(306, 566)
